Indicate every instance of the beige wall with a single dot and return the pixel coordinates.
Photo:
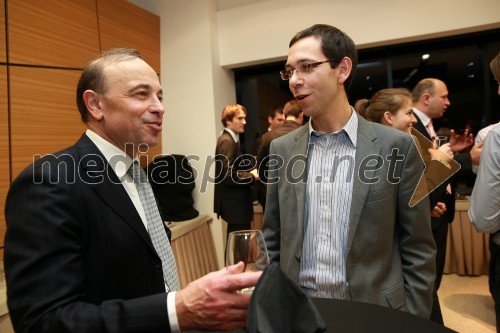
(261, 31)
(195, 87)
(197, 41)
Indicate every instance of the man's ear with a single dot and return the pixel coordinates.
(92, 101)
(425, 98)
(345, 67)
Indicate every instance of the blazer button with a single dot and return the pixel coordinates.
(158, 269)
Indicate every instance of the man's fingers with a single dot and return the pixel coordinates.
(240, 281)
(236, 268)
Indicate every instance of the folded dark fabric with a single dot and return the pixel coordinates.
(279, 305)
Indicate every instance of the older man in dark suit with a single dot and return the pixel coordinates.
(85, 248)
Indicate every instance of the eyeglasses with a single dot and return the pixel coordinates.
(287, 73)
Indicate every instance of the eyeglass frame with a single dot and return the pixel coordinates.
(304, 68)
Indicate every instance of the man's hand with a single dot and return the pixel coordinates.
(441, 154)
(475, 153)
(446, 148)
(459, 142)
(438, 210)
(255, 174)
(213, 301)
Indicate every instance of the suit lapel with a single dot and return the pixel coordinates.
(366, 145)
(419, 126)
(110, 189)
(300, 148)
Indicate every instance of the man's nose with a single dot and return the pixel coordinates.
(157, 106)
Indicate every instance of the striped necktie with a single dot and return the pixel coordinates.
(156, 228)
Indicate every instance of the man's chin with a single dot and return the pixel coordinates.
(148, 144)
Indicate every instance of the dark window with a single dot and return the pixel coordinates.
(461, 61)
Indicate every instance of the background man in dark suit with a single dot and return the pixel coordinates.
(294, 118)
(430, 101)
(338, 227)
(234, 173)
(78, 255)
(275, 118)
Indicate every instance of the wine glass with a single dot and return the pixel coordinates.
(439, 140)
(247, 246)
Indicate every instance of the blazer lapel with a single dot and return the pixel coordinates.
(300, 150)
(419, 126)
(366, 145)
(109, 187)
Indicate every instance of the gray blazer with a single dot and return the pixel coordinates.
(390, 249)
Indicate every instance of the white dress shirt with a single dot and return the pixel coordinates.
(331, 164)
(484, 211)
(120, 162)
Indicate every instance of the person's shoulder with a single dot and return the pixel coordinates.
(266, 137)
(287, 127)
(493, 137)
(387, 132)
(496, 129)
(225, 136)
(292, 135)
(52, 165)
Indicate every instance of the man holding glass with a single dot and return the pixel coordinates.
(338, 219)
(430, 101)
(81, 250)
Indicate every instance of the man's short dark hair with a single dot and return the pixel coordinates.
(277, 109)
(292, 108)
(335, 45)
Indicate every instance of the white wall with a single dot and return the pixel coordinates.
(197, 41)
(196, 88)
(260, 32)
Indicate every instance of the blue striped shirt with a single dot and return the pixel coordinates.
(330, 180)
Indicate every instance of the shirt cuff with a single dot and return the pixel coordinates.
(172, 312)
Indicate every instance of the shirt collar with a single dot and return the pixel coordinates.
(422, 116)
(119, 161)
(236, 137)
(350, 128)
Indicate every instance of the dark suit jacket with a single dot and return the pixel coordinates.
(233, 183)
(287, 127)
(77, 255)
(439, 194)
(390, 250)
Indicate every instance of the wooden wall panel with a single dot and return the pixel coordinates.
(60, 33)
(123, 24)
(3, 52)
(44, 116)
(4, 152)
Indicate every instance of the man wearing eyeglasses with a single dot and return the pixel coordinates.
(338, 219)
